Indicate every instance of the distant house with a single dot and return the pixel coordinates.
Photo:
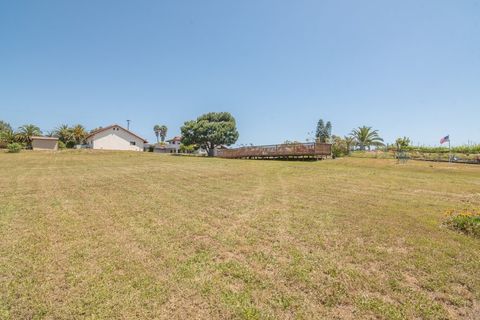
(147, 146)
(115, 137)
(176, 140)
(173, 146)
(44, 143)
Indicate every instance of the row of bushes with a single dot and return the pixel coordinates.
(342, 146)
(16, 147)
(465, 149)
(392, 154)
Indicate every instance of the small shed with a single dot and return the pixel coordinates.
(44, 143)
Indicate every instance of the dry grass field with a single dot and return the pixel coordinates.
(121, 235)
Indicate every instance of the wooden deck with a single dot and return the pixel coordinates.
(300, 151)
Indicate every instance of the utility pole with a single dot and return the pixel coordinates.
(128, 124)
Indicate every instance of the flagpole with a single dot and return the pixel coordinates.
(449, 152)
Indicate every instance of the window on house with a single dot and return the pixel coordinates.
(133, 143)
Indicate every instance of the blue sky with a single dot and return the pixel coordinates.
(404, 67)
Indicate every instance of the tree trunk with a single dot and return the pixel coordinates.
(211, 151)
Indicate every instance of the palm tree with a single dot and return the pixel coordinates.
(26, 132)
(156, 129)
(366, 137)
(349, 141)
(160, 131)
(7, 137)
(163, 132)
(5, 126)
(78, 133)
(64, 133)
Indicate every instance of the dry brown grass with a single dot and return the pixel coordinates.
(127, 235)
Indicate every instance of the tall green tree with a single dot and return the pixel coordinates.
(328, 130)
(210, 130)
(365, 137)
(26, 132)
(320, 129)
(324, 131)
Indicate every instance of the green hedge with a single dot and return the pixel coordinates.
(466, 149)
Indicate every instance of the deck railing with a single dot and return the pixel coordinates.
(294, 150)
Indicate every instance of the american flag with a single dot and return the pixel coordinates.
(445, 139)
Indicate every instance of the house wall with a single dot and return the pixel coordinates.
(174, 148)
(167, 149)
(113, 139)
(40, 144)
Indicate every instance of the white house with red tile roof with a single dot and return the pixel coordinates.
(115, 137)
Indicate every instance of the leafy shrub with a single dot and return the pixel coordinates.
(338, 150)
(402, 143)
(187, 148)
(61, 145)
(341, 146)
(466, 221)
(70, 144)
(14, 147)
